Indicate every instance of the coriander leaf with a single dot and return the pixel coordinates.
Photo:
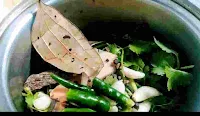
(128, 63)
(166, 49)
(161, 103)
(29, 100)
(135, 63)
(114, 49)
(139, 47)
(158, 70)
(162, 59)
(163, 47)
(177, 78)
(29, 97)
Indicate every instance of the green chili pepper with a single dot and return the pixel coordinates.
(78, 110)
(69, 84)
(86, 99)
(107, 90)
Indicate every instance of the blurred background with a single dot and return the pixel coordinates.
(6, 6)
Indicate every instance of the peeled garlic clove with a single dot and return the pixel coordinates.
(132, 74)
(41, 94)
(42, 102)
(113, 109)
(119, 85)
(144, 107)
(145, 92)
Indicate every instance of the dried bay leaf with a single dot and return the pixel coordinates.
(60, 43)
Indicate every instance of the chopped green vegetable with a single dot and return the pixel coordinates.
(114, 49)
(128, 92)
(111, 93)
(133, 84)
(160, 60)
(163, 47)
(161, 103)
(139, 47)
(158, 71)
(163, 59)
(69, 84)
(166, 49)
(78, 110)
(29, 97)
(177, 78)
(88, 100)
(136, 62)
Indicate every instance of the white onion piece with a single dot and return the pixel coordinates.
(144, 107)
(42, 102)
(113, 109)
(119, 85)
(132, 74)
(145, 92)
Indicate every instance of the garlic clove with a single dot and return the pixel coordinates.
(132, 74)
(145, 92)
(144, 107)
(119, 85)
(42, 102)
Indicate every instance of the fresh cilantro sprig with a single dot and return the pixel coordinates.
(139, 46)
(168, 50)
(177, 78)
(163, 63)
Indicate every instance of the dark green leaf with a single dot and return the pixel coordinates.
(29, 100)
(163, 59)
(29, 97)
(168, 50)
(177, 78)
(136, 64)
(158, 70)
(128, 63)
(114, 49)
(163, 47)
(139, 47)
(160, 60)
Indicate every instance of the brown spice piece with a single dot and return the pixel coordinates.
(66, 37)
(38, 81)
(107, 60)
